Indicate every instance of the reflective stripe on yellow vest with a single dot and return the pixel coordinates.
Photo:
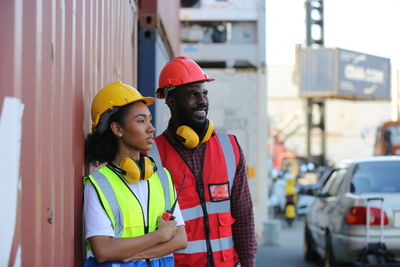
(122, 206)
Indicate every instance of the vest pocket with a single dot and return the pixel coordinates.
(229, 255)
(225, 224)
(134, 225)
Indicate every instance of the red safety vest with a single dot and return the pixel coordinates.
(206, 206)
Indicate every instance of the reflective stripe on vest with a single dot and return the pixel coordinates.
(153, 153)
(113, 191)
(212, 208)
(216, 207)
(108, 192)
(200, 245)
(229, 157)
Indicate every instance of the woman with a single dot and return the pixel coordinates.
(124, 199)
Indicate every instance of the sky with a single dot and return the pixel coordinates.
(366, 26)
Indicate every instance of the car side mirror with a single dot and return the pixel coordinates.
(322, 195)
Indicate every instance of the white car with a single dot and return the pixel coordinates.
(335, 225)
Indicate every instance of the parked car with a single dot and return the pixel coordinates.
(335, 225)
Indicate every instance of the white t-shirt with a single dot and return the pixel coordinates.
(96, 219)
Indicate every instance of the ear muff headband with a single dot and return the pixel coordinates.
(144, 169)
(189, 138)
(149, 167)
(208, 132)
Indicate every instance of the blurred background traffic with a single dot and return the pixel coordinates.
(303, 85)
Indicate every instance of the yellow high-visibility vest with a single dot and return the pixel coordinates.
(122, 206)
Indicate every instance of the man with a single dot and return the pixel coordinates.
(215, 200)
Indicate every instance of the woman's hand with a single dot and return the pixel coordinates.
(106, 248)
(167, 230)
(178, 241)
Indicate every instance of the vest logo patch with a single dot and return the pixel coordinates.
(219, 192)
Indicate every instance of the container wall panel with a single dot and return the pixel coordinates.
(162, 15)
(168, 11)
(158, 43)
(162, 113)
(54, 57)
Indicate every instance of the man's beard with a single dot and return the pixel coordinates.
(186, 118)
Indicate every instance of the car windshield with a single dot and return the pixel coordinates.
(371, 177)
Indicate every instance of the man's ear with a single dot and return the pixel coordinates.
(170, 101)
(116, 129)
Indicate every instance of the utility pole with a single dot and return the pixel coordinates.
(315, 39)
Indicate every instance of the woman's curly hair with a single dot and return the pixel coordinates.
(103, 147)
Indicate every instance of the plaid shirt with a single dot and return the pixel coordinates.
(243, 229)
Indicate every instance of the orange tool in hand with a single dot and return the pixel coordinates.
(167, 216)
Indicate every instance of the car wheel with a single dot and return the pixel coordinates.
(309, 251)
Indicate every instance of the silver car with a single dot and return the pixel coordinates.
(335, 225)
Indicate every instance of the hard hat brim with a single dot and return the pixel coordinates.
(115, 94)
(160, 91)
(148, 100)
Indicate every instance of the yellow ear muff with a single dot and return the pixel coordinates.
(187, 136)
(132, 170)
(148, 168)
(209, 131)
(135, 172)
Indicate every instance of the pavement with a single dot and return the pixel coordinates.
(289, 249)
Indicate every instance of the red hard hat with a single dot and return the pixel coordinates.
(179, 71)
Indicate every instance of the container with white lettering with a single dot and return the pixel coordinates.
(343, 74)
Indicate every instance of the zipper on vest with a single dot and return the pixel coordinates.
(146, 228)
(210, 255)
(200, 191)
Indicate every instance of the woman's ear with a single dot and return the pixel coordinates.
(116, 129)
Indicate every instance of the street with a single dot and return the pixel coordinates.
(289, 252)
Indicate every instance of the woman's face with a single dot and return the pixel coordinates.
(137, 132)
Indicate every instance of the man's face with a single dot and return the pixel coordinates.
(191, 104)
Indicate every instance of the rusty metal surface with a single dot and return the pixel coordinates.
(168, 11)
(162, 15)
(54, 56)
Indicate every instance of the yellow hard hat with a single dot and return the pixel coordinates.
(115, 94)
